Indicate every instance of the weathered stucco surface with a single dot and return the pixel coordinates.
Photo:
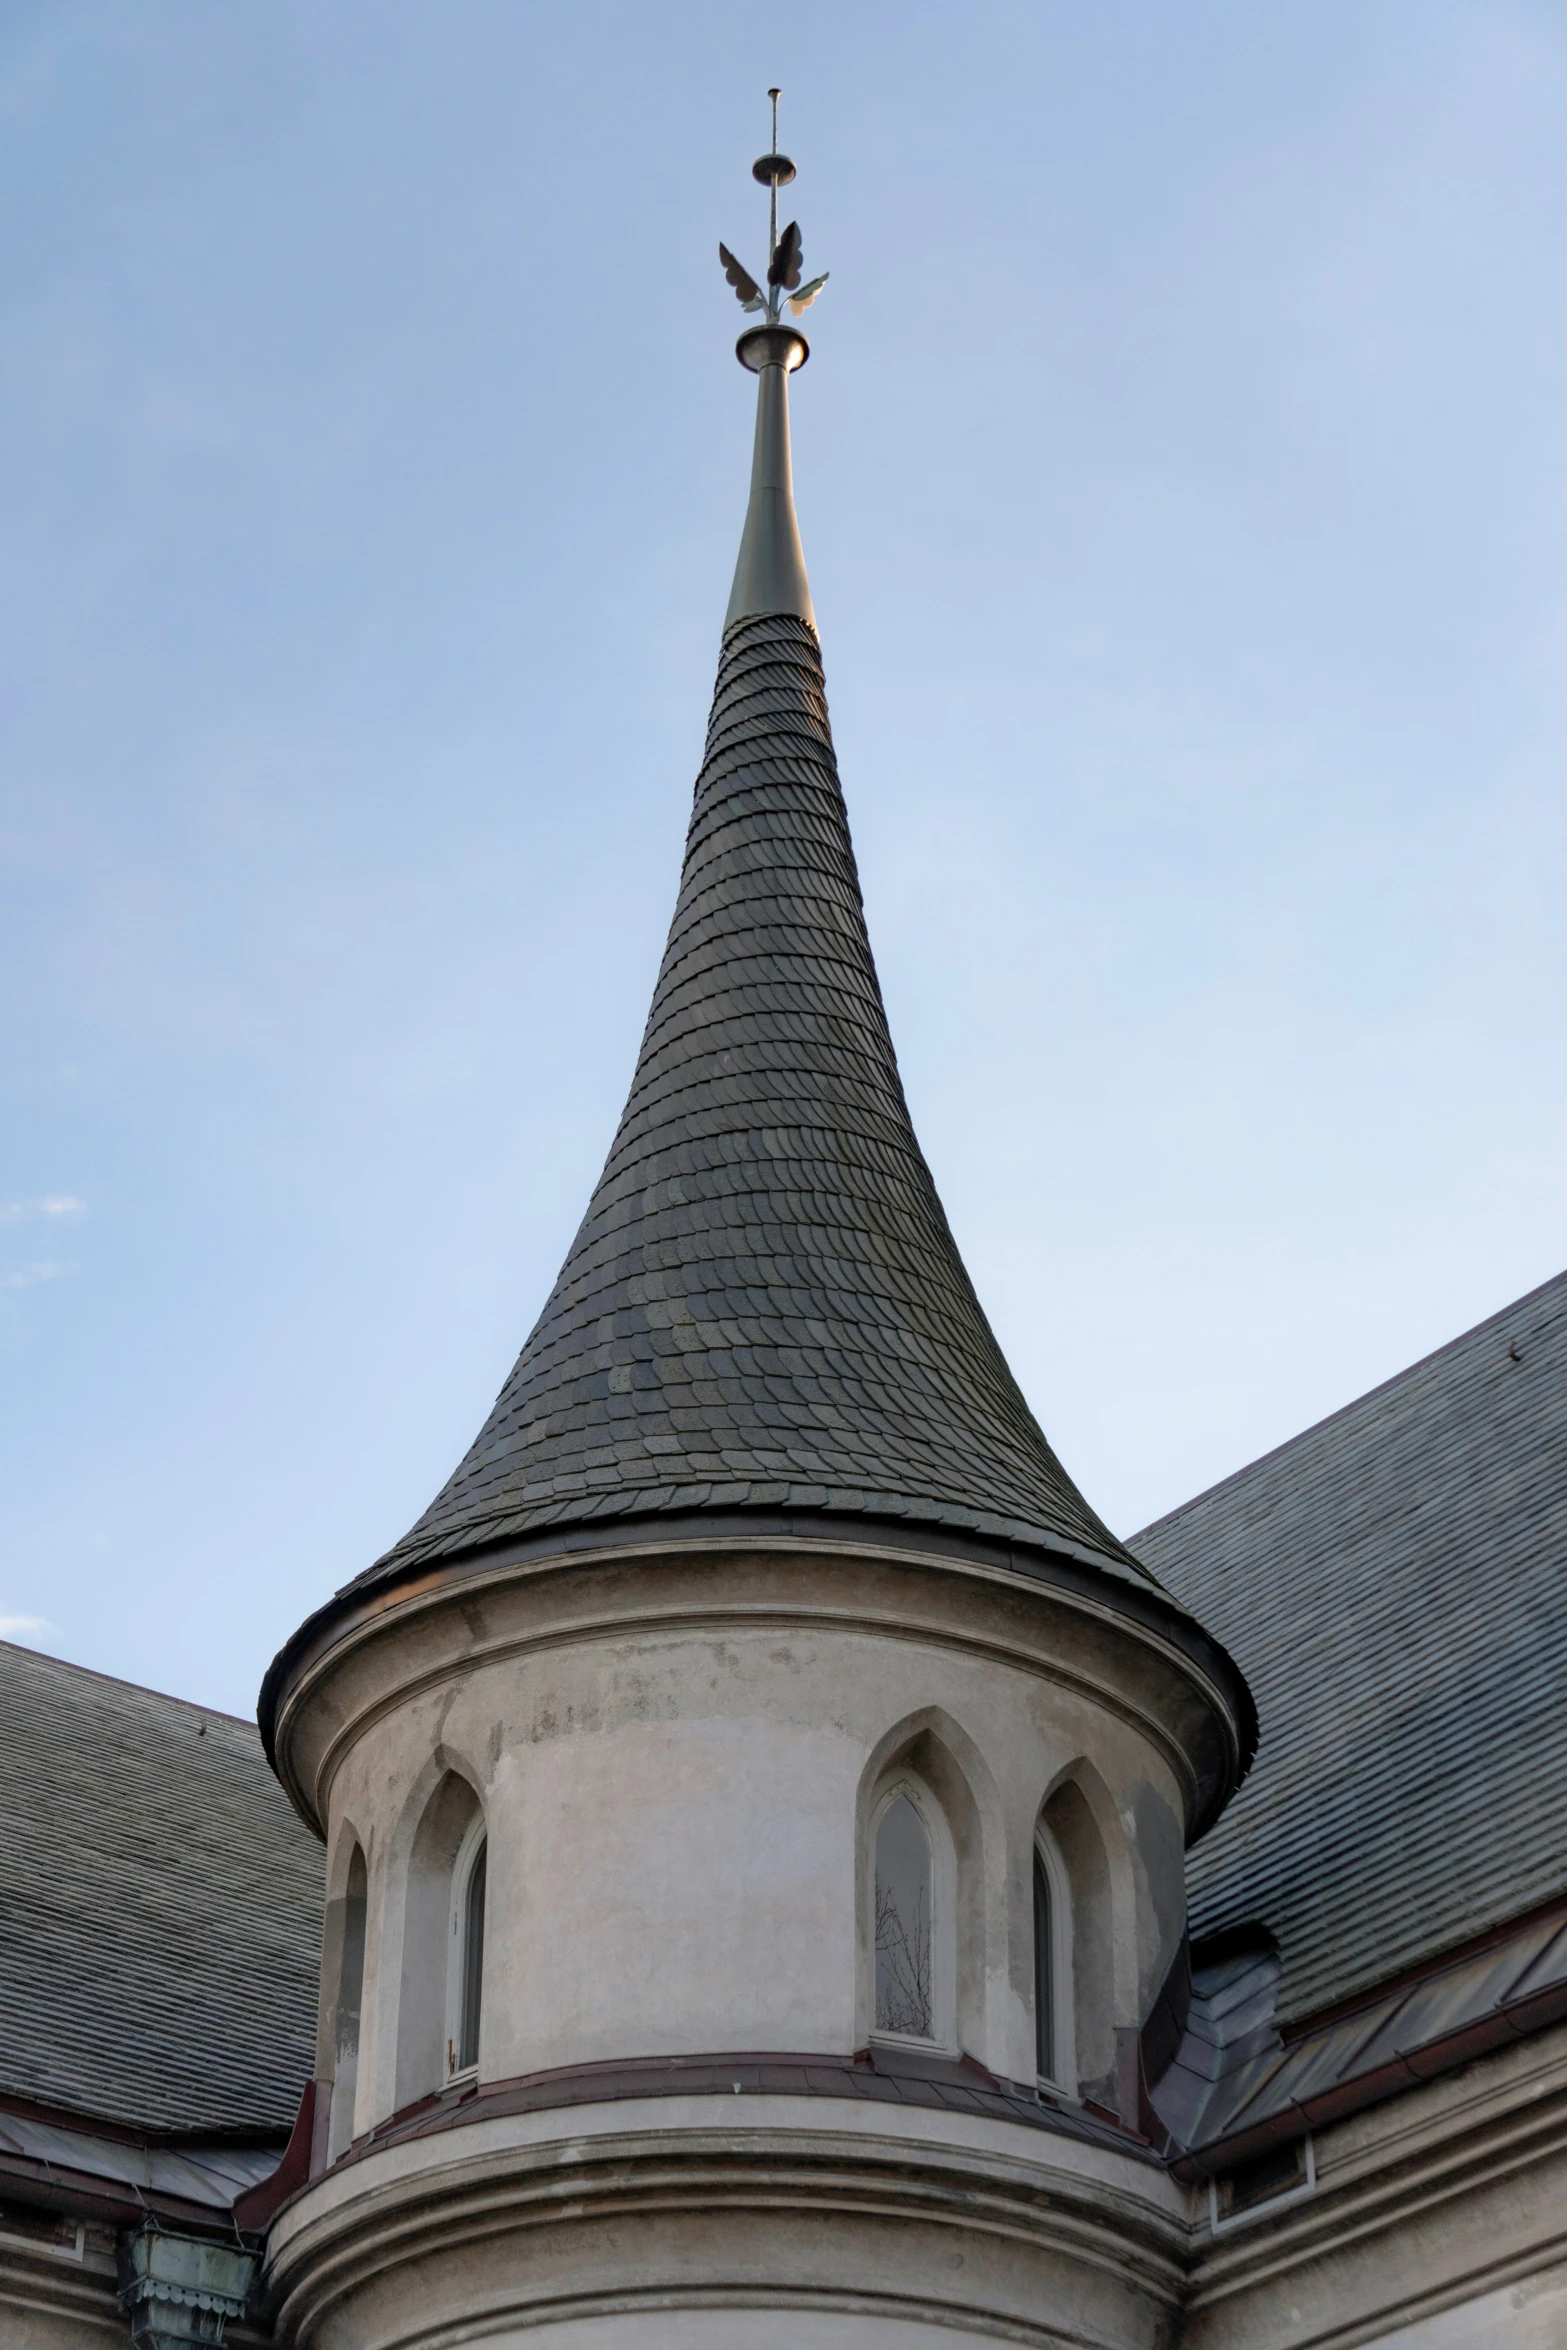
(677, 1806)
(677, 1756)
(829, 2223)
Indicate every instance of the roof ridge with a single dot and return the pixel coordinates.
(1340, 1411)
(69, 1664)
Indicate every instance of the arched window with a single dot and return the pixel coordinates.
(435, 1941)
(1054, 2044)
(350, 1998)
(905, 1920)
(1044, 1973)
(465, 1972)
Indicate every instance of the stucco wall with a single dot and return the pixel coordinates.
(678, 1817)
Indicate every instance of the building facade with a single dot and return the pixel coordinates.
(792, 1876)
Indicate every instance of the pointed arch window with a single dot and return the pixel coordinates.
(1044, 1972)
(465, 1971)
(905, 1922)
(350, 1998)
(1053, 2049)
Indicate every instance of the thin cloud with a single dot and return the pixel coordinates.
(29, 1276)
(56, 1205)
(11, 1625)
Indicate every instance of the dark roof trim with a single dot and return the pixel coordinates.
(95, 2185)
(884, 2076)
(52, 2186)
(1065, 1568)
(122, 2133)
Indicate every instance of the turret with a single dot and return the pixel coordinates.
(755, 1791)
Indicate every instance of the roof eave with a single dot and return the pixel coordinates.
(1071, 1568)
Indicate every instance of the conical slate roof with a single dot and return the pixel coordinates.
(764, 1307)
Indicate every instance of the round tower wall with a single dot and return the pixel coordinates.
(678, 1760)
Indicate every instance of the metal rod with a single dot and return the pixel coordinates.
(774, 300)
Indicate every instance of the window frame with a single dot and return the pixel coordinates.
(943, 2040)
(1062, 2076)
(473, 1848)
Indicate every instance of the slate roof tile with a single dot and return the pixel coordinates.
(765, 1238)
(1411, 1785)
(160, 1909)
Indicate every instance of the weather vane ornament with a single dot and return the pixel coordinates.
(784, 253)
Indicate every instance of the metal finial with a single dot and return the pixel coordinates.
(774, 171)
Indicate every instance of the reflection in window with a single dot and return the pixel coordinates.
(903, 1923)
(471, 1983)
(1044, 1972)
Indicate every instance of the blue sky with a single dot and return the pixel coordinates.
(1182, 467)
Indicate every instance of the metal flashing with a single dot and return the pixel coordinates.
(1223, 2097)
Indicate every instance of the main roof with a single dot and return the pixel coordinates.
(764, 1307)
(1393, 1584)
(160, 1910)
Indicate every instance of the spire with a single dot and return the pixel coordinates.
(770, 574)
(764, 1308)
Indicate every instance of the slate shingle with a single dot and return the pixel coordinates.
(160, 1909)
(765, 1231)
(1393, 1584)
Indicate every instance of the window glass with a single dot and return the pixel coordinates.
(472, 1988)
(903, 1922)
(1044, 1972)
(350, 1995)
